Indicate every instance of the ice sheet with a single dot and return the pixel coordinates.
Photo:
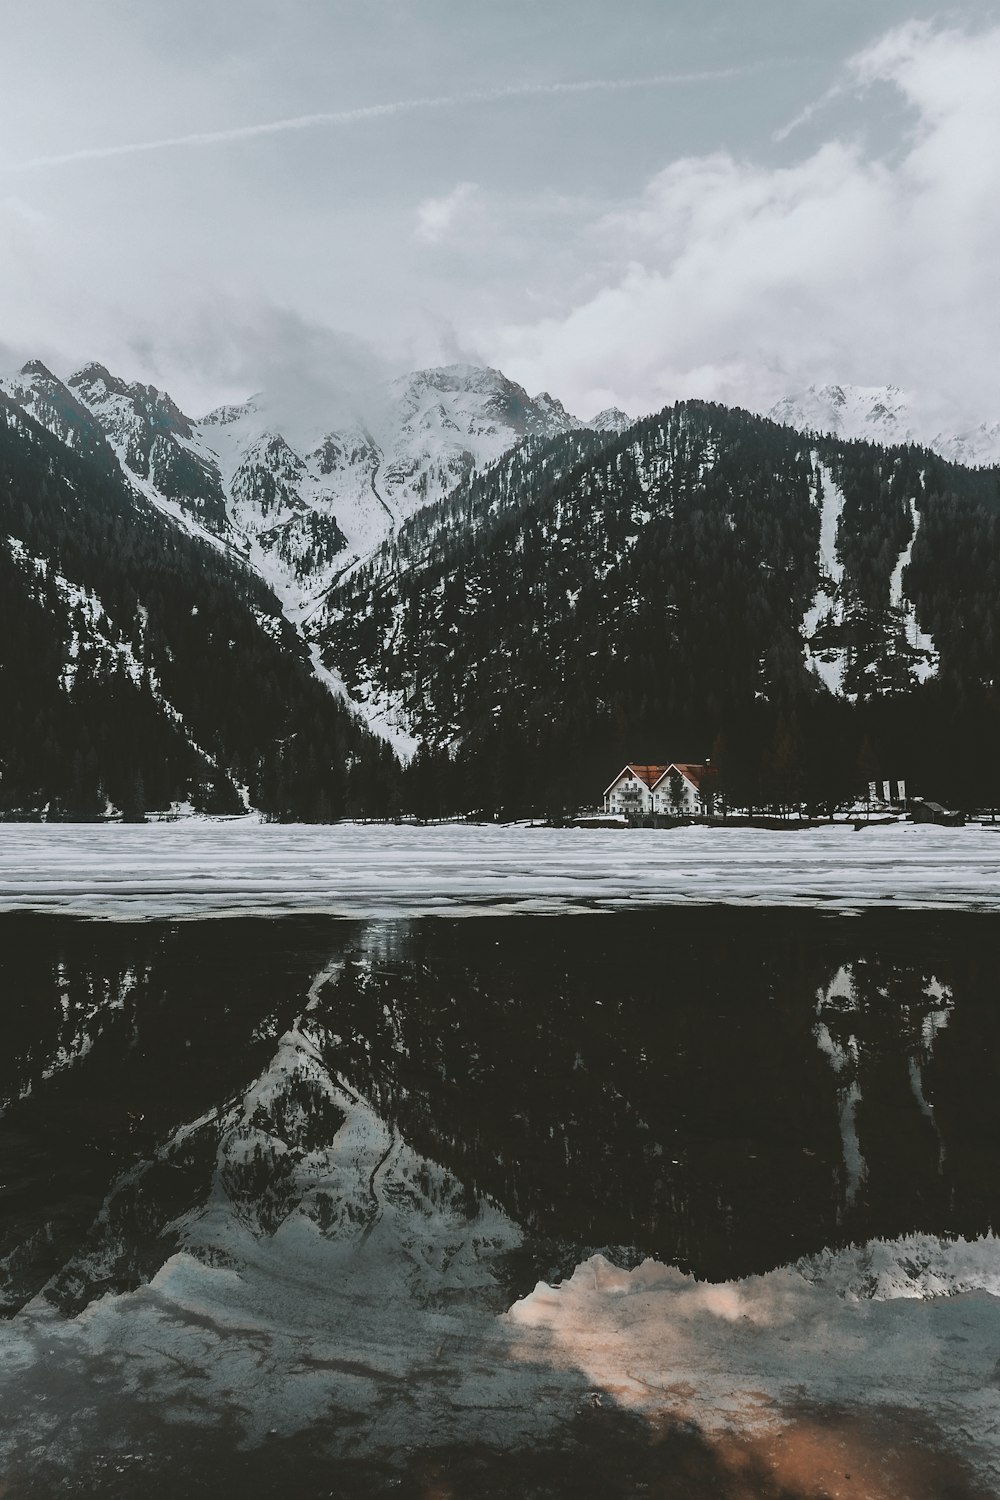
(198, 867)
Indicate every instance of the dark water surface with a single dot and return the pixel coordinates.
(723, 1089)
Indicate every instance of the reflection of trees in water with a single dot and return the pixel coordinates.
(722, 1089)
(665, 1082)
(870, 1008)
(69, 1008)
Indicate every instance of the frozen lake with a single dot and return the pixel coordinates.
(199, 868)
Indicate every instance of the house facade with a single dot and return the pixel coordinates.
(675, 790)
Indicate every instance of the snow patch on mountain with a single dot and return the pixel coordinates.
(926, 664)
(380, 712)
(826, 612)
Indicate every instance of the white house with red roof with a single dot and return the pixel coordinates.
(676, 790)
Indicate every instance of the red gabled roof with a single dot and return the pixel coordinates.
(649, 774)
(698, 776)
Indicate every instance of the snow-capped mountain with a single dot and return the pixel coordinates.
(411, 442)
(293, 496)
(103, 419)
(885, 415)
(876, 414)
(975, 447)
(612, 419)
(300, 501)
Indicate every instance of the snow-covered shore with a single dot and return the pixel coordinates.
(204, 868)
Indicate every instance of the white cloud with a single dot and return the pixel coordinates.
(437, 218)
(741, 281)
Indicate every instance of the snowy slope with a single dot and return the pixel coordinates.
(925, 652)
(827, 646)
(155, 442)
(409, 443)
(975, 446)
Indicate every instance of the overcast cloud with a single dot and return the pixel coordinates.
(623, 203)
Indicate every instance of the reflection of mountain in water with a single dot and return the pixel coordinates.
(722, 1089)
(274, 1180)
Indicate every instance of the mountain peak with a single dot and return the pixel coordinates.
(550, 403)
(36, 367)
(118, 404)
(90, 372)
(225, 416)
(611, 419)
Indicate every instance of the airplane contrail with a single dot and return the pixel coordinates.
(368, 112)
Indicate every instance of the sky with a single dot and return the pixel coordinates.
(623, 202)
